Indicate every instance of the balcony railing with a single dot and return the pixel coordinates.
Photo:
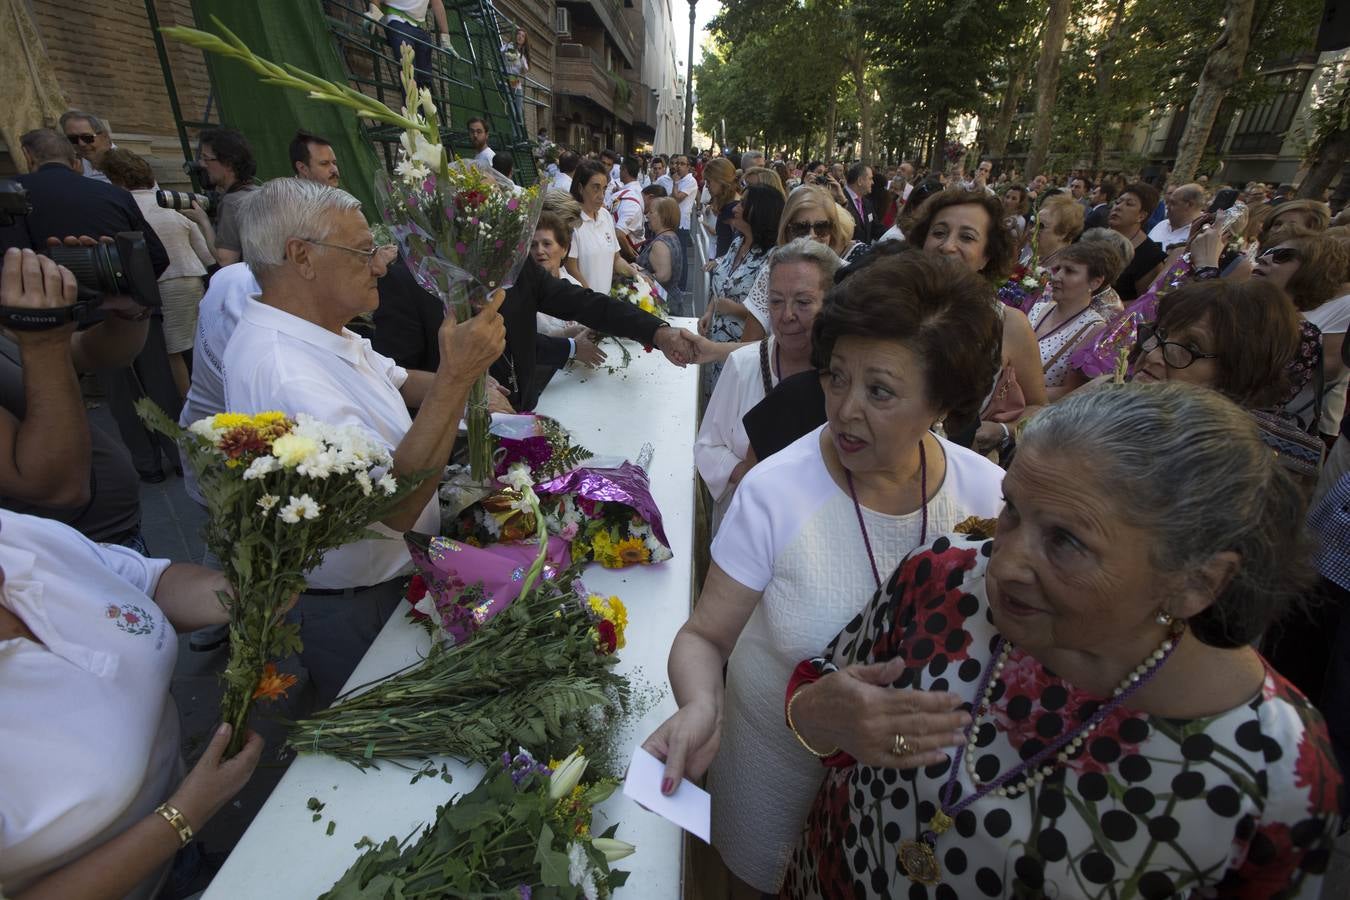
(581, 72)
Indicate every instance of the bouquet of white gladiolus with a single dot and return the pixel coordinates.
(281, 492)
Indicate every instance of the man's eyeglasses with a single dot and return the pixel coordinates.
(1176, 356)
(1279, 255)
(202, 157)
(81, 138)
(384, 253)
(823, 229)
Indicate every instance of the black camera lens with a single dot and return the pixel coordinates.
(120, 267)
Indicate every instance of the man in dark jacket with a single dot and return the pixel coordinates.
(408, 317)
(64, 203)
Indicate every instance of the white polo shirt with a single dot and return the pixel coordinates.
(217, 315)
(88, 731)
(627, 208)
(1167, 236)
(593, 247)
(277, 361)
(485, 156)
(689, 185)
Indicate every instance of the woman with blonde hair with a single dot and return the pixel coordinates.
(1314, 215)
(768, 177)
(719, 183)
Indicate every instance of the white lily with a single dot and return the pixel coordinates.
(567, 776)
(614, 850)
(518, 476)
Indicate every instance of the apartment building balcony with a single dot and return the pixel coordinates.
(608, 14)
(582, 73)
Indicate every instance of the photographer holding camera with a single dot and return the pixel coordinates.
(55, 463)
(65, 203)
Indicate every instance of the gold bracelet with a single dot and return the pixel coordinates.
(798, 735)
(176, 820)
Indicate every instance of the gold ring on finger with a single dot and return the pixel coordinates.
(900, 747)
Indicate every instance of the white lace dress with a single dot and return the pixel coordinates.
(794, 535)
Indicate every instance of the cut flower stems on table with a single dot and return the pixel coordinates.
(523, 832)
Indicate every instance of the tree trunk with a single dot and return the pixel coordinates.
(1103, 63)
(1222, 69)
(858, 63)
(1047, 83)
(1331, 157)
(832, 123)
(1017, 76)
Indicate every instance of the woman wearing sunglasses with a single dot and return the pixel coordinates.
(809, 213)
(1311, 267)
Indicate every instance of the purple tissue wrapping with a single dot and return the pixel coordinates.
(627, 484)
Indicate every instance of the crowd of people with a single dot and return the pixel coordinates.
(1028, 501)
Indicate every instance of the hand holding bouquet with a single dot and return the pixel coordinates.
(281, 492)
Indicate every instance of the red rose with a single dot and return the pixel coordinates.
(417, 589)
(606, 640)
(131, 618)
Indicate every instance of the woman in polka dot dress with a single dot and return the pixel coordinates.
(1125, 741)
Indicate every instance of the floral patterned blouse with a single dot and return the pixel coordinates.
(1237, 805)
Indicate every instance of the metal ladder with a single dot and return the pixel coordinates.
(470, 81)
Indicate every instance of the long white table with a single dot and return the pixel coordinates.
(287, 856)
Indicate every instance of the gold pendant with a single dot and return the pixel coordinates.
(919, 862)
(940, 822)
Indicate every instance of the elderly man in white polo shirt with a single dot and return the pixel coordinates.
(317, 264)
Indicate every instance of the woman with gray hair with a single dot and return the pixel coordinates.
(1122, 730)
(800, 275)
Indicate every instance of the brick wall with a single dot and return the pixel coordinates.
(104, 57)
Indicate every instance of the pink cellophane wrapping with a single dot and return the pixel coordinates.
(1097, 356)
(627, 484)
(449, 566)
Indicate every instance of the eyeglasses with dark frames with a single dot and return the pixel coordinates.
(1176, 356)
(82, 138)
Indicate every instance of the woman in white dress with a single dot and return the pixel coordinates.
(904, 342)
(1064, 323)
(800, 275)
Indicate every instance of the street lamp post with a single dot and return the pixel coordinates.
(689, 87)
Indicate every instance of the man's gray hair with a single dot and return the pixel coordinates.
(282, 209)
(806, 250)
(1118, 242)
(46, 146)
(99, 126)
(756, 155)
(1189, 467)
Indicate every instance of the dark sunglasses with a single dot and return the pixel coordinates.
(802, 229)
(1280, 255)
(81, 138)
(1176, 356)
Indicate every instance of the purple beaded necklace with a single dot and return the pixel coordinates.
(923, 507)
(918, 858)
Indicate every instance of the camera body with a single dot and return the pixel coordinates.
(122, 266)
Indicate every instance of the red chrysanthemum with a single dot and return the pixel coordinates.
(242, 441)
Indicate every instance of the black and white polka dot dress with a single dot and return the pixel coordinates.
(1241, 804)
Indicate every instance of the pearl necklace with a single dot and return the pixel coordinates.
(918, 857)
(1131, 681)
